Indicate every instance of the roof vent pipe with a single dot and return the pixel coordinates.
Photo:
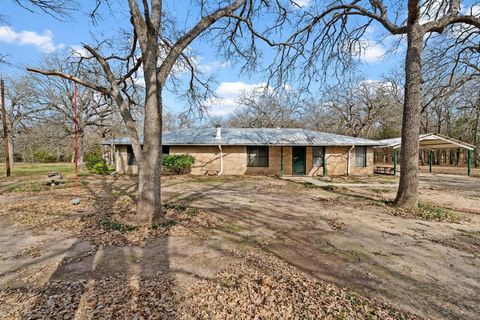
(219, 132)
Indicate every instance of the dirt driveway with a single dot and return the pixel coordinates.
(258, 229)
(423, 266)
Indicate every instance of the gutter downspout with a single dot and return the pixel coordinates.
(221, 160)
(348, 161)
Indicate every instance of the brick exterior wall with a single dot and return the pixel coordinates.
(207, 160)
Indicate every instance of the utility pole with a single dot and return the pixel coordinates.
(5, 131)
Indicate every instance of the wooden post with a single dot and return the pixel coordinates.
(430, 154)
(5, 131)
(469, 162)
(394, 162)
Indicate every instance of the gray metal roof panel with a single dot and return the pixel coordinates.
(256, 136)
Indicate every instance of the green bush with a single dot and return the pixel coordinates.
(95, 164)
(178, 163)
(91, 160)
(101, 168)
(45, 157)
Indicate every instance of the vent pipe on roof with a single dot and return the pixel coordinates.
(219, 132)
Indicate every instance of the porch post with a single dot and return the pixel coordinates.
(281, 161)
(395, 162)
(430, 159)
(469, 162)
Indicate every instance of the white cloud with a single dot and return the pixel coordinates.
(230, 89)
(44, 42)
(302, 3)
(212, 66)
(373, 52)
(79, 51)
(473, 10)
(462, 29)
(228, 93)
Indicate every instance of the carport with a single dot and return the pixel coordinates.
(428, 142)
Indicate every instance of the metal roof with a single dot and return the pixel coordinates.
(430, 141)
(255, 136)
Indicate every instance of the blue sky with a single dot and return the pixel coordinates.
(26, 36)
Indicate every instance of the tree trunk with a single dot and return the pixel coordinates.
(149, 204)
(407, 195)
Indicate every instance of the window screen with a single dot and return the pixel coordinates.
(257, 156)
(318, 156)
(130, 156)
(361, 156)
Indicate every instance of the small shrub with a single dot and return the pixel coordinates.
(178, 163)
(101, 168)
(95, 164)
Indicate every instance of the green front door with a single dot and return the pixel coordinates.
(298, 161)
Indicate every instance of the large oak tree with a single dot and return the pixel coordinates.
(333, 32)
(157, 53)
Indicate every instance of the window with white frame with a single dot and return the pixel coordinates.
(360, 156)
(318, 156)
(257, 156)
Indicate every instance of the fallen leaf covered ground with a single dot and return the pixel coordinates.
(261, 245)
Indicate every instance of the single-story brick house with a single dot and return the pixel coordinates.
(238, 151)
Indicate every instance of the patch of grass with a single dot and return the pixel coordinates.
(26, 187)
(37, 186)
(181, 207)
(428, 212)
(380, 190)
(107, 224)
(230, 227)
(167, 223)
(192, 212)
(175, 206)
(424, 211)
(332, 188)
(309, 185)
(32, 169)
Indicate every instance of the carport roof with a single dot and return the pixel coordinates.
(429, 141)
(255, 136)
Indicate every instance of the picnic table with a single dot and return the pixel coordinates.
(384, 170)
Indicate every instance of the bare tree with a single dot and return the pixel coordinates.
(56, 96)
(157, 52)
(175, 121)
(358, 105)
(21, 111)
(336, 34)
(55, 8)
(264, 108)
